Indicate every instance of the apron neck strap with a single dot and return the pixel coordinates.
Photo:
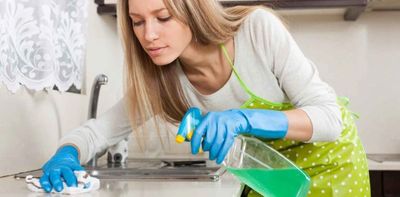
(222, 46)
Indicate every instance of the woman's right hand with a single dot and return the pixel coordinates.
(62, 164)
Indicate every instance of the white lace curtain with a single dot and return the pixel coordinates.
(42, 43)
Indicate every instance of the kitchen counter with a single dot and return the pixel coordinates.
(384, 162)
(227, 186)
(386, 165)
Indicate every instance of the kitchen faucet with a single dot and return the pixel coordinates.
(100, 80)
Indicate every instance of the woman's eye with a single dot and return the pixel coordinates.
(137, 23)
(164, 19)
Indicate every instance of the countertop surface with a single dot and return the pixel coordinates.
(385, 165)
(226, 186)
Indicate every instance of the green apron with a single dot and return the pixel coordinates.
(336, 168)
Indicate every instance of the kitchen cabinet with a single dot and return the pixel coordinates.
(384, 171)
(354, 8)
(385, 183)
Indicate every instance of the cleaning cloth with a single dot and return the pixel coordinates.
(86, 183)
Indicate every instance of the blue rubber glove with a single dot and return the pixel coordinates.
(60, 168)
(217, 130)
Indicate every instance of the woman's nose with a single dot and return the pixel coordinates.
(151, 31)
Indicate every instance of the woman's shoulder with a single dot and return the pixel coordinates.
(262, 12)
(264, 17)
(260, 24)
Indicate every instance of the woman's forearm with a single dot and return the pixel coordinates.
(300, 126)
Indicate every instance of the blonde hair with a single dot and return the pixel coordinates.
(155, 90)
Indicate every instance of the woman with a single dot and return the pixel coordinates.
(224, 61)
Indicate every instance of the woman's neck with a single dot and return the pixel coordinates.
(206, 66)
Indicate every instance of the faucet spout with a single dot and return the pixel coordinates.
(100, 80)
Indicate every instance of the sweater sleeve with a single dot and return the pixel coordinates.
(96, 135)
(297, 76)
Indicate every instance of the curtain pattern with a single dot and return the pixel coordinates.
(42, 43)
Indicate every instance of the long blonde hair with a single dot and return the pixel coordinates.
(155, 90)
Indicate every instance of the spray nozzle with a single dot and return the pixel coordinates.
(189, 123)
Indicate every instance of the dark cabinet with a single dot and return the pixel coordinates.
(385, 183)
(353, 7)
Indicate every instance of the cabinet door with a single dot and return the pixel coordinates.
(391, 183)
(376, 183)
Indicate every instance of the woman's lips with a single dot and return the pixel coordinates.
(156, 51)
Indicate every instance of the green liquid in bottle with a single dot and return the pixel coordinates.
(274, 182)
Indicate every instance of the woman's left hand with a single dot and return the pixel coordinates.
(217, 130)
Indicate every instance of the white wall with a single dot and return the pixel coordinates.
(31, 123)
(359, 59)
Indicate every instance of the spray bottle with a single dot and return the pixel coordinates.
(189, 123)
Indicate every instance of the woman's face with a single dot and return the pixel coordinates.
(162, 36)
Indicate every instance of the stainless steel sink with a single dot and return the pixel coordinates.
(204, 174)
(164, 169)
(152, 169)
